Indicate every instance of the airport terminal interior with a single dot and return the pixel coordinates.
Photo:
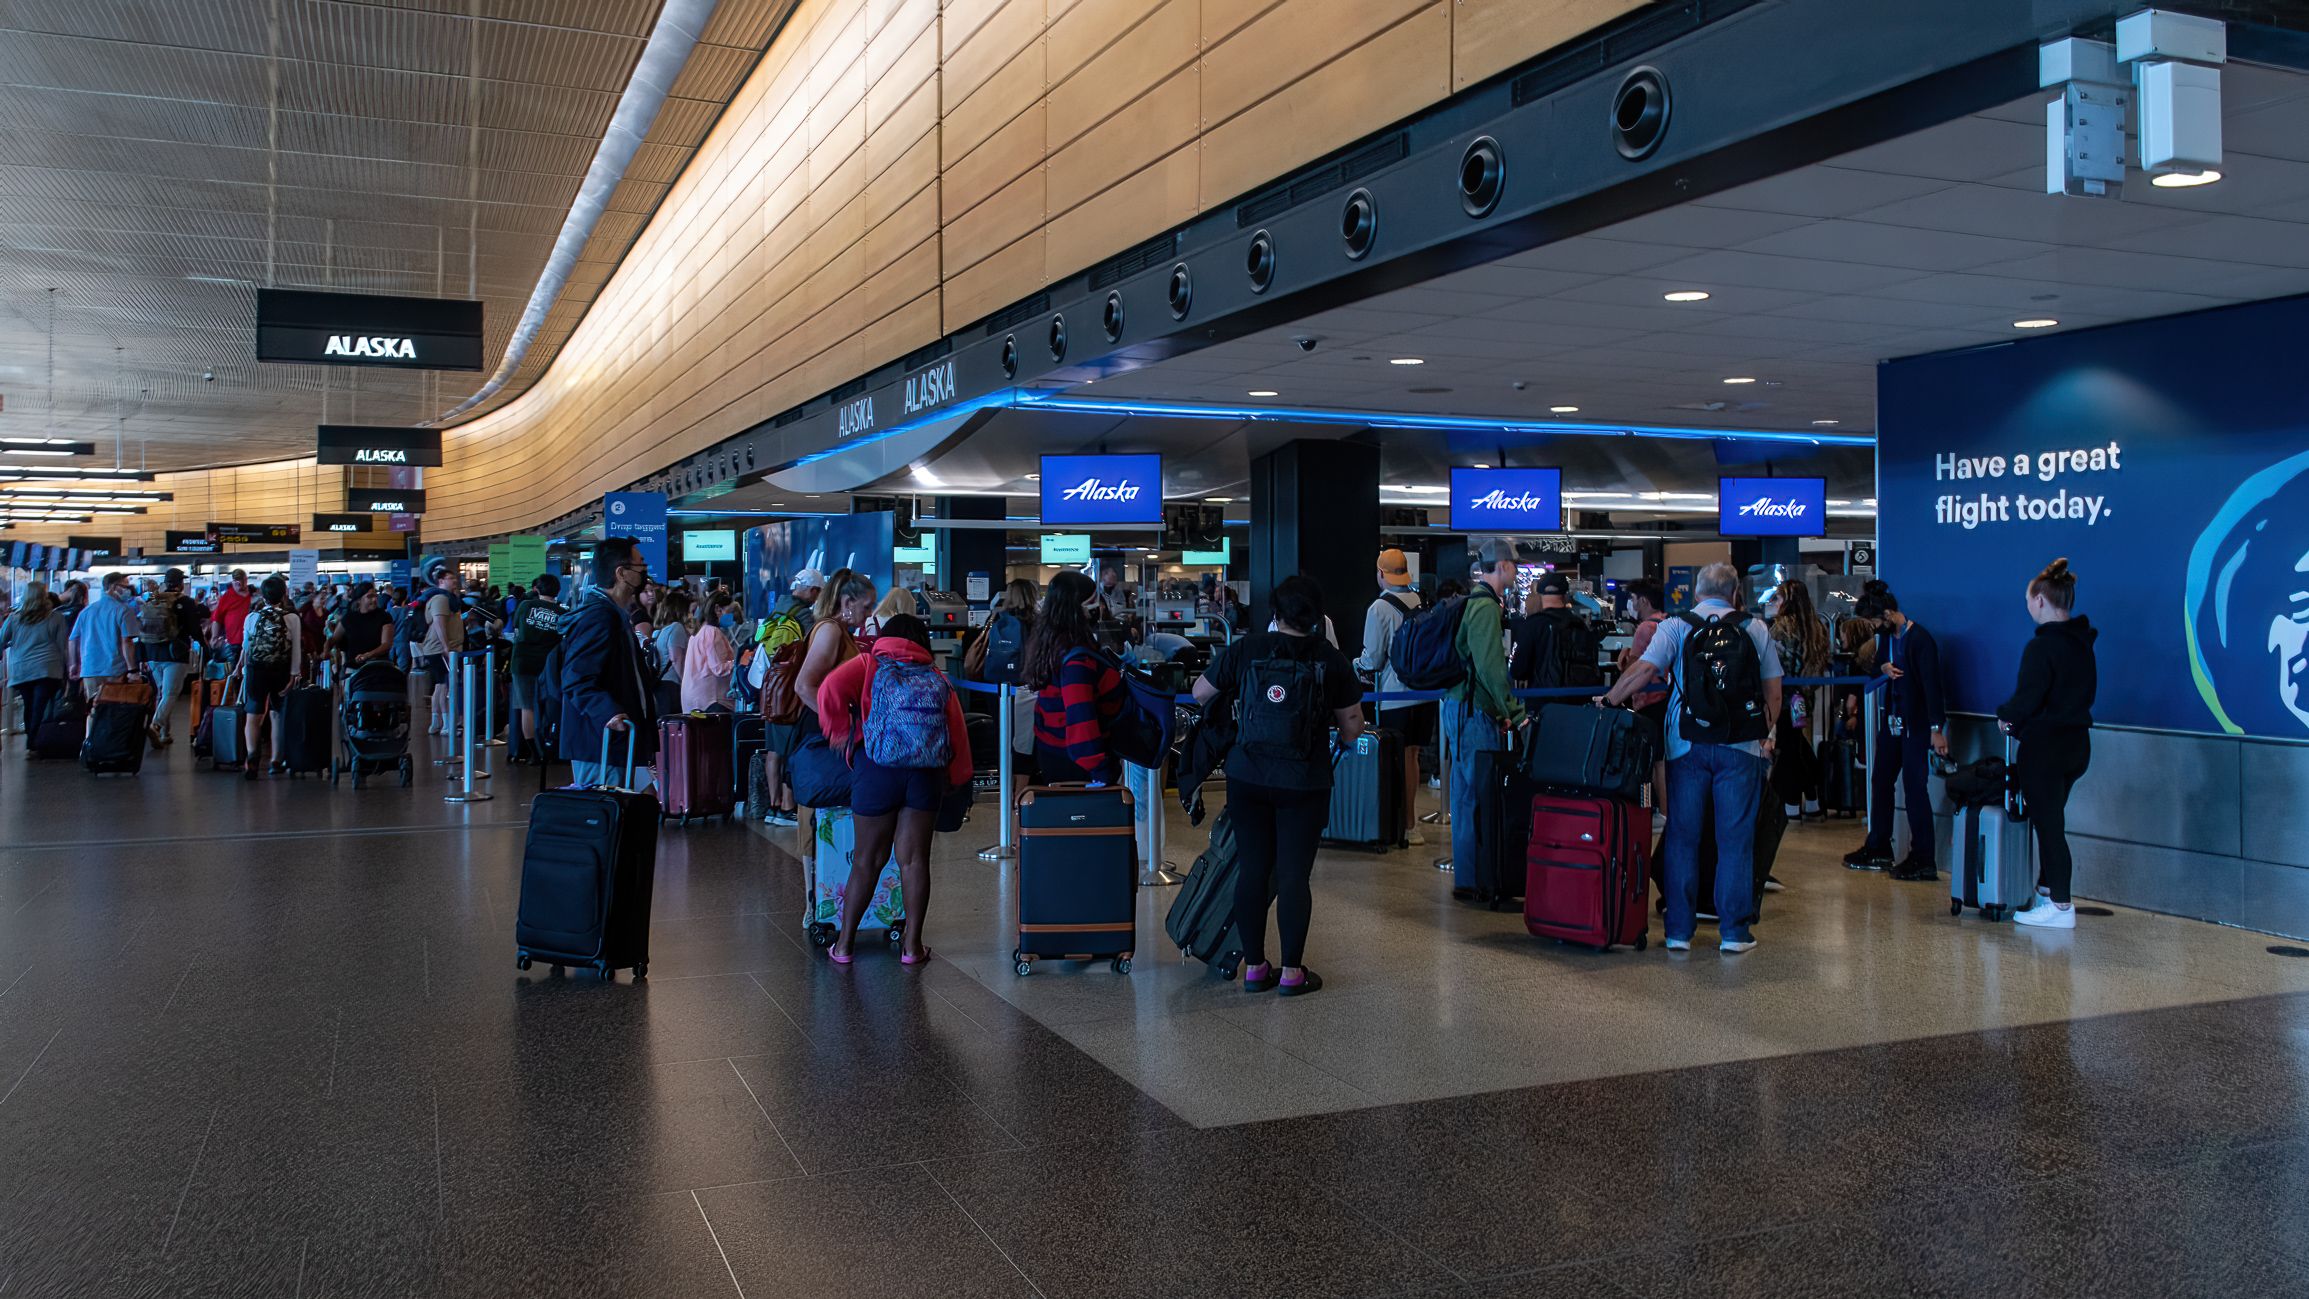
(460, 461)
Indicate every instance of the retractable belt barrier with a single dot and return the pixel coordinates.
(1866, 684)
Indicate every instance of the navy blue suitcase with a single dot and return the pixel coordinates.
(587, 872)
(1077, 876)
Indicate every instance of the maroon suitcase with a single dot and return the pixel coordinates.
(693, 765)
(1588, 871)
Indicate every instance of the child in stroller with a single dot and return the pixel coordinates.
(376, 722)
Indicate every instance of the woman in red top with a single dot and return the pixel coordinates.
(898, 776)
(1078, 692)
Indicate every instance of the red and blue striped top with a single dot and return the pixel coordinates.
(1071, 714)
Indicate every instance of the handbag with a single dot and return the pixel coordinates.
(139, 693)
(819, 774)
(954, 807)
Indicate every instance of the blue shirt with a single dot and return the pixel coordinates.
(1666, 653)
(98, 633)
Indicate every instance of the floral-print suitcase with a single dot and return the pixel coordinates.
(828, 869)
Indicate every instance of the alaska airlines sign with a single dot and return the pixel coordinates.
(931, 388)
(383, 500)
(368, 329)
(1093, 490)
(1772, 507)
(352, 444)
(1507, 500)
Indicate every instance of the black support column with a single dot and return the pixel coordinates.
(1315, 510)
(963, 551)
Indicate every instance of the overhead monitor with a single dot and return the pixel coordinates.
(255, 534)
(189, 543)
(922, 554)
(1065, 547)
(1506, 500)
(343, 522)
(1093, 491)
(709, 546)
(1772, 507)
(384, 500)
(1211, 558)
(368, 329)
(357, 444)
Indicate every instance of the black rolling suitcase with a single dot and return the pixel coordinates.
(1843, 784)
(64, 730)
(1502, 827)
(747, 739)
(115, 743)
(1367, 792)
(307, 741)
(1201, 921)
(1077, 876)
(587, 871)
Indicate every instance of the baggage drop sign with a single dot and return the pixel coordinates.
(641, 516)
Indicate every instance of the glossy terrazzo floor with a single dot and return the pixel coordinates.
(268, 1040)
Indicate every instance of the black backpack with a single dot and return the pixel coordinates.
(1279, 710)
(1563, 650)
(1723, 681)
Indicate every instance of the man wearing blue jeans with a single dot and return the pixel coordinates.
(1700, 772)
(1478, 710)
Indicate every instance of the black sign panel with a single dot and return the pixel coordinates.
(384, 500)
(361, 550)
(368, 329)
(101, 547)
(255, 534)
(191, 543)
(344, 523)
(352, 444)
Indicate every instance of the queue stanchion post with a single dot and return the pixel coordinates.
(449, 666)
(1146, 790)
(484, 708)
(489, 697)
(1006, 846)
(1444, 744)
(465, 793)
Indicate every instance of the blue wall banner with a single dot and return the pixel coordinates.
(1096, 490)
(1506, 500)
(825, 542)
(1772, 507)
(2165, 460)
(641, 516)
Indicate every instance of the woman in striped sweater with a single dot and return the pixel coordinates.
(1078, 691)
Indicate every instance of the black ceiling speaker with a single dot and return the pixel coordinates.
(1010, 356)
(1058, 338)
(1259, 261)
(1639, 113)
(1113, 318)
(1182, 291)
(1359, 223)
(1482, 177)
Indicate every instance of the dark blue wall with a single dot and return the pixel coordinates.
(2192, 551)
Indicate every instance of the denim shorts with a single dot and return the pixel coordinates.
(879, 791)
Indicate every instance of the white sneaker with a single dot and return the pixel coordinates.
(1435, 782)
(1679, 944)
(1414, 839)
(2047, 914)
(1772, 884)
(1659, 825)
(1733, 947)
(435, 728)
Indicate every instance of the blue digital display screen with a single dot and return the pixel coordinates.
(1772, 507)
(1094, 490)
(1507, 500)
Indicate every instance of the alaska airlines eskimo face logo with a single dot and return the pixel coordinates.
(2247, 611)
(371, 346)
(1764, 507)
(1095, 489)
(1497, 499)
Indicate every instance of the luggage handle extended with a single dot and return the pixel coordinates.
(630, 740)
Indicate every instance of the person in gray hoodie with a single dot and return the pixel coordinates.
(34, 639)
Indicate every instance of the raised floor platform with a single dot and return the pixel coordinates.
(268, 1040)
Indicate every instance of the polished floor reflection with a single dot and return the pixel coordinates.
(267, 1040)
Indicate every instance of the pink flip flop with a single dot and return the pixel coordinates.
(836, 957)
(923, 959)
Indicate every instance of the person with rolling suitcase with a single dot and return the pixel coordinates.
(604, 685)
(34, 640)
(2050, 713)
(588, 869)
(1287, 688)
(1725, 693)
(909, 744)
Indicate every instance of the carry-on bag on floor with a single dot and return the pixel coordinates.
(758, 798)
(693, 765)
(1367, 792)
(587, 871)
(64, 730)
(1994, 866)
(1502, 827)
(116, 739)
(828, 868)
(1201, 921)
(1589, 871)
(308, 731)
(1843, 785)
(1077, 876)
(1764, 851)
(228, 739)
(1579, 748)
(748, 738)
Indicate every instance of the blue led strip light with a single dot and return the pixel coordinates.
(1441, 423)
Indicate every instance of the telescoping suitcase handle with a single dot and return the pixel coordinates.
(627, 784)
(2014, 805)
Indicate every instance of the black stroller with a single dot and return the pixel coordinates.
(375, 713)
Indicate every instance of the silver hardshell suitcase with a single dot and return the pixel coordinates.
(1995, 862)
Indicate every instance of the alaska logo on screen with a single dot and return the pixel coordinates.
(1764, 507)
(1093, 489)
(377, 347)
(1495, 499)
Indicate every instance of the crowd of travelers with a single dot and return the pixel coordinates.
(838, 665)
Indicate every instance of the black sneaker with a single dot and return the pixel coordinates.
(1913, 871)
(1865, 858)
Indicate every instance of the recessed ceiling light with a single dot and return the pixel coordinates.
(1688, 295)
(1739, 379)
(2040, 322)
(1564, 410)
(1264, 392)
(1826, 423)
(1482, 466)
(2184, 179)
(1034, 478)
(1408, 360)
(1220, 500)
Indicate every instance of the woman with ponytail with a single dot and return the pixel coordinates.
(2051, 714)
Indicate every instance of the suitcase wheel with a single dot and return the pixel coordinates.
(1643, 941)
(1992, 913)
(1955, 908)
(521, 962)
(641, 971)
(897, 934)
(1023, 966)
(1228, 967)
(408, 771)
(821, 935)
(1121, 965)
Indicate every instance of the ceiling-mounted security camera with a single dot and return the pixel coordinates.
(1304, 343)
(208, 376)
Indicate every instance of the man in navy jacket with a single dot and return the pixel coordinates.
(605, 687)
(1913, 727)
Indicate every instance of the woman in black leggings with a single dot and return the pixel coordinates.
(2051, 712)
(1287, 689)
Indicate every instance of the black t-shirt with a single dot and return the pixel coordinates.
(1303, 763)
(365, 631)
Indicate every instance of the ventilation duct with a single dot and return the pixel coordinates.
(662, 59)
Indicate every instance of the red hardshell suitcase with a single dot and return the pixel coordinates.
(693, 765)
(1589, 871)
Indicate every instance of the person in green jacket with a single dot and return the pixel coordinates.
(1479, 710)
